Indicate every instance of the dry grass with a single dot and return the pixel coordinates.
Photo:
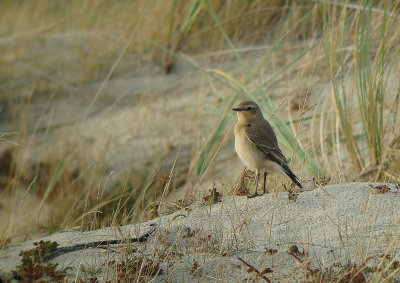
(91, 125)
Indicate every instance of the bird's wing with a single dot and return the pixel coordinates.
(263, 137)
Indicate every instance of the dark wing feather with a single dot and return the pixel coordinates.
(263, 137)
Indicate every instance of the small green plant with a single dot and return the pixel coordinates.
(243, 183)
(90, 272)
(32, 268)
(36, 254)
(189, 233)
(213, 197)
(40, 273)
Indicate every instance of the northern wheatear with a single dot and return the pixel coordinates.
(256, 144)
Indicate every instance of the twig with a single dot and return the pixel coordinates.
(276, 109)
(64, 250)
(307, 264)
(252, 268)
(361, 267)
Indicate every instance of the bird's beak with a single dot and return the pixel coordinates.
(236, 109)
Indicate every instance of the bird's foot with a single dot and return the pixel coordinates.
(254, 195)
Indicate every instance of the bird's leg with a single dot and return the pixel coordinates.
(257, 177)
(265, 180)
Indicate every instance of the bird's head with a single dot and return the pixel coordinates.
(247, 111)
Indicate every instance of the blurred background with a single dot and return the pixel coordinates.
(108, 107)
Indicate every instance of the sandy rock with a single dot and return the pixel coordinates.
(329, 225)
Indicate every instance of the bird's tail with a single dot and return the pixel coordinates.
(291, 175)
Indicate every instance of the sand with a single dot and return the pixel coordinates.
(332, 224)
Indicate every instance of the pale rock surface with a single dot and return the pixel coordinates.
(332, 224)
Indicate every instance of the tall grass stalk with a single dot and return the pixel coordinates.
(371, 71)
(372, 75)
(339, 97)
(53, 180)
(202, 163)
(183, 31)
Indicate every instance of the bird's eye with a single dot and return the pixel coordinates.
(249, 108)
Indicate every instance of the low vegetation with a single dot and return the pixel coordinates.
(32, 268)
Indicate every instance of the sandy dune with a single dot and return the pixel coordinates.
(331, 224)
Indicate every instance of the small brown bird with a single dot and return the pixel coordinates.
(256, 144)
